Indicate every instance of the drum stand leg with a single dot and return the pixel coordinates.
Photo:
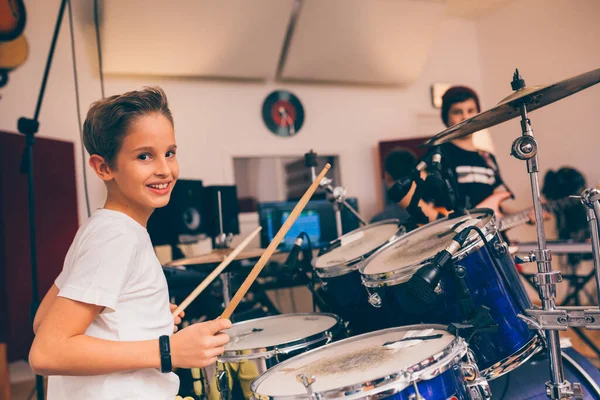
(525, 148)
(225, 279)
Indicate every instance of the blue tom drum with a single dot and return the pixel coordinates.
(492, 279)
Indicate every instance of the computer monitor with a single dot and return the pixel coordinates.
(317, 220)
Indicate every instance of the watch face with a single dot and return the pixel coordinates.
(283, 113)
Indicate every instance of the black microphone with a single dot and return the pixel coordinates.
(292, 258)
(402, 186)
(434, 187)
(424, 281)
(436, 158)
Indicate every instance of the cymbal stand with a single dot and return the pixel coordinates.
(338, 198)
(338, 194)
(548, 318)
(222, 241)
(591, 200)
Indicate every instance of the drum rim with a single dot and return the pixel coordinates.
(515, 360)
(399, 276)
(350, 265)
(396, 382)
(570, 360)
(283, 348)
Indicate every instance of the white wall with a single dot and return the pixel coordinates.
(548, 41)
(216, 121)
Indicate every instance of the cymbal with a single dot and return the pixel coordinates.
(215, 256)
(533, 97)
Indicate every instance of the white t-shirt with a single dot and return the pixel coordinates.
(111, 263)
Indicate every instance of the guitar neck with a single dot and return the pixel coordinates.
(523, 217)
(514, 220)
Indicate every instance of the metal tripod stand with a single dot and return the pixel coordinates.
(549, 318)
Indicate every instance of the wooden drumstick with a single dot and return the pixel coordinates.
(215, 273)
(239, 295)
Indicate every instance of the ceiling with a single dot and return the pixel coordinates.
(375, 42)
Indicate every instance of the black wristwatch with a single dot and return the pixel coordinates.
(165, 354)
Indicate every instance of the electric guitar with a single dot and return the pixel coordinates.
(523, 217)
(513, 220)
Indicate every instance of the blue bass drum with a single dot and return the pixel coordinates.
(529, 381)
(492, 279)
(388, 364)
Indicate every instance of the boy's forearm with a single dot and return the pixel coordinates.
(83, 355)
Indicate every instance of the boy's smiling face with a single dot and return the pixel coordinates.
(145, 168)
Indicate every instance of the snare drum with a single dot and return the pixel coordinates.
(389, 363)
(342, 288)
(257, 345)
(492, 279)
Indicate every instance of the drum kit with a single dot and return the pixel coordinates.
(439, 312)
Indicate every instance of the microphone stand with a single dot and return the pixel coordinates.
(300, 270)
(477, 319)
(338, 194)
(29, 127)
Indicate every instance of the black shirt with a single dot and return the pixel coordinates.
(476, 172)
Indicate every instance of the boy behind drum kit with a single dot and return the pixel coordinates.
(475, 172)
(104, 329)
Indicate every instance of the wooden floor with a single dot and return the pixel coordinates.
(582, 347)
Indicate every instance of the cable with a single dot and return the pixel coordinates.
(31, 394)
(293, 300)
(506, 386)
(497, 266)
(97, 26)
(79, 123)
(311, 281)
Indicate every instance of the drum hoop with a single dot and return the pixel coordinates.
(398, 276)
(437, 363)
(582, 371)
(516, 359)
(350, 265)
(283, 348)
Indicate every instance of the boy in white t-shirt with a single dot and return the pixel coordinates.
(105, 330)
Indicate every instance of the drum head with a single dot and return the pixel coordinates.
(358, 243)
(363, 363)
(280, 331)
(410, 251)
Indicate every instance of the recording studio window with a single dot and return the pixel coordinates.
(277, 178)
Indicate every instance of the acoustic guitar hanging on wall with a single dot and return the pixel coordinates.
(13, 45)
(12, 19)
